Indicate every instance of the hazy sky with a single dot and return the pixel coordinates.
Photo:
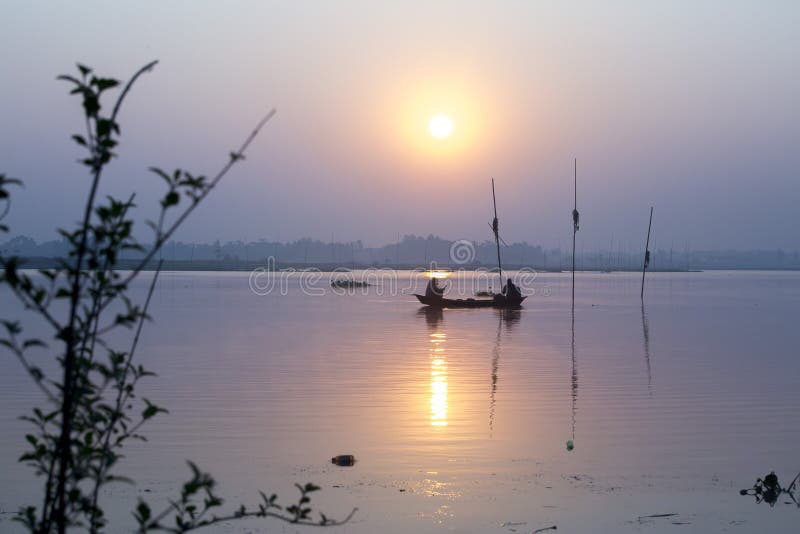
(693, 107)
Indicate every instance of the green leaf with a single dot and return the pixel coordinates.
(12, 327)
(142, 513)
(63, 293)
(68, 78)
(104, 127)
(33, 343)
(151, 410)
(36, 373)
(5, 180)
(104, 83)
(171, 199)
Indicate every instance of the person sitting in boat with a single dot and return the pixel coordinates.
(434, 290)
(511, 291)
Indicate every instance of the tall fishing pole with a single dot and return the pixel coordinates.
(496, 230)
(647, 251)
(575, 227)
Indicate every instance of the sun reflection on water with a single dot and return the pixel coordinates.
(438, 380)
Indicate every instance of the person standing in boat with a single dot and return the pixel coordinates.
(434, 290)
(511, 291)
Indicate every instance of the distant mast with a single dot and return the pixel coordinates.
(496, 230)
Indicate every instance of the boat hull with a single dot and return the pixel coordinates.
(440, 302)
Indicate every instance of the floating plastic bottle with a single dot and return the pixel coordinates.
(344, 460)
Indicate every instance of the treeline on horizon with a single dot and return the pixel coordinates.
(417, 251)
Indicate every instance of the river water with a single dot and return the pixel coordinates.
(459, 420)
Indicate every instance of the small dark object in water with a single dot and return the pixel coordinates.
(344, 460)
(554, 527)
(570, 445)
(652, 516)
(349, 283)
(769, 489)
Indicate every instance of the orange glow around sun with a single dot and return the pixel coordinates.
(439, 120)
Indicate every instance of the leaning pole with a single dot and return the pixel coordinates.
(647, 251)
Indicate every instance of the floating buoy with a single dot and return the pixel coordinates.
(344, 460)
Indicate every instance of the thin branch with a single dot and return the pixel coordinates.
(32, 304)
(329, 523)
(6, 209)
(48, 497)
(235, 157)
(121, 394)
(154, 523)
(128, 86)
(96, 301)
(39, 381)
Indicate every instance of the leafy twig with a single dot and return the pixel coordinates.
(233, 159)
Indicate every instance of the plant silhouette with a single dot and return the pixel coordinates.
(91, 408)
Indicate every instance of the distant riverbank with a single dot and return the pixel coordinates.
(245, 266)
(242, 266)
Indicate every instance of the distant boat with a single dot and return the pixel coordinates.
(345, 284)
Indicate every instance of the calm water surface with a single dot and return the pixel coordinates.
(459, 419)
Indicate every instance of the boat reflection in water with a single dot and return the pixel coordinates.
(510, 317)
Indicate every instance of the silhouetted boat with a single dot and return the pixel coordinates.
(512, 299)
(499, 301)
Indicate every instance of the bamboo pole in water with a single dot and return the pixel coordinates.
(647, 251)
(575, 223)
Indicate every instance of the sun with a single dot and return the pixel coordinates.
(440, 126)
